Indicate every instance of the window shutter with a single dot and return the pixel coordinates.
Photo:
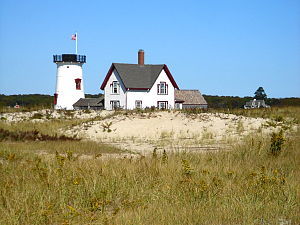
(78, 84)
(166, 88)
(158, 88)
(55, 98)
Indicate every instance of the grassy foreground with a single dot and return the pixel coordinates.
(243, 186)
(247, 185)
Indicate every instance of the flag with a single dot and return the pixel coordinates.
(73, 37)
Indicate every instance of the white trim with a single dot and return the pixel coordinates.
(115, 104)
(162, 91)
(117, 88)
(162, 104)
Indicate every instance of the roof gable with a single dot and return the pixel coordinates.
(139, 77)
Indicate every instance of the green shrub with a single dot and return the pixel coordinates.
(187, 170)
(279, 118)
(106, 126)
(32, 135)
(87, 111)
(69, 113)
(164, 157)
(37, 116)
(277, 141)
(154, 153)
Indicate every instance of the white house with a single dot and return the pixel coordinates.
(131, 86)
(256, 104)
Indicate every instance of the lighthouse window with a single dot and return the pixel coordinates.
(115, 87)
(55, 98)
(78, 84)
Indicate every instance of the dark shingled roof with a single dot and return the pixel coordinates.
(190, 97)
(138, 76)
(92, 102)
(135, 76)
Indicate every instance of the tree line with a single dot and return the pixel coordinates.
(238, 102)
(34, 100)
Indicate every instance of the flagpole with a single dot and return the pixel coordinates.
(76, 43)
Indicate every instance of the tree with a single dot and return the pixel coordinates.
(260, 94)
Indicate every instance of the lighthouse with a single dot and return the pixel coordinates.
(69, 80)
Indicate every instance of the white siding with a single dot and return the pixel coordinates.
(179, 105)
(66, 86)
(150, 98)
(109, 96)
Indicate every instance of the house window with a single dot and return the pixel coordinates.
(162, 104)
(78, 84)
(162, 88)
(55, 98)
(115, 104)
(177, 105)
(115, 87)
(138, 104)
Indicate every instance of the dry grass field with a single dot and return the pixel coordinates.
(222, 167)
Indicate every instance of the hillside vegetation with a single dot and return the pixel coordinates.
(44, 181)
(46, 101)
(33, 101)
(238, 102)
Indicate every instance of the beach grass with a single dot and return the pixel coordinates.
(245, 185)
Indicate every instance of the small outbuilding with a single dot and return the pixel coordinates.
(185, 99)
(256, 104)
(89, 103)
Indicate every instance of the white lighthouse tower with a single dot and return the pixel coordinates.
(69, 80)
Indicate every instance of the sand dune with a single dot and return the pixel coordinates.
(141, 132)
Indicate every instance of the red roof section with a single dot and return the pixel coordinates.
(170, 76)
(111, 69)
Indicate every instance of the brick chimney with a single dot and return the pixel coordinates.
(141, 56)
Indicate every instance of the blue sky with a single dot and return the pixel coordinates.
(221, 47)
